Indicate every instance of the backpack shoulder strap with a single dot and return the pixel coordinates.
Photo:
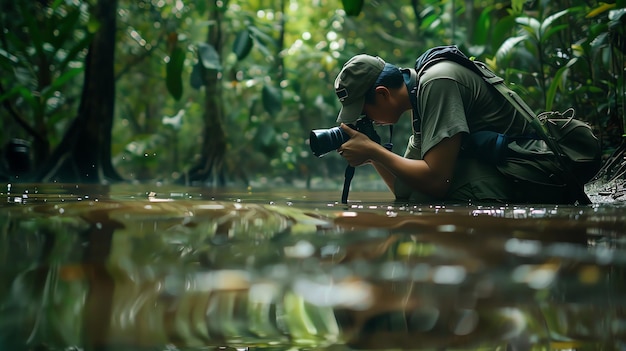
(412, 87)
(521, 106)
(498, 83)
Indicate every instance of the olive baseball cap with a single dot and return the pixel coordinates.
(356, 77)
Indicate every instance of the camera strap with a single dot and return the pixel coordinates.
(349, 173)
(389, 145)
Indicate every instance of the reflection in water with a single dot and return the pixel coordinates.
(189, 270)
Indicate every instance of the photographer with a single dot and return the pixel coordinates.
(448, 102)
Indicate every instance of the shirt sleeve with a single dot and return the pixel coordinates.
(414, 147)
(442, 111)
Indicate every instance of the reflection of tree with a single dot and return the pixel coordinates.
(144, 274)
(99, 298)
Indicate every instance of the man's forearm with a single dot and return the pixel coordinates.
(430, 176)
(417, 174)
(388, 177)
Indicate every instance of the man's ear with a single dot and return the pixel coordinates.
(382, 91)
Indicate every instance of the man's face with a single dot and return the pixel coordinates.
(386, 110)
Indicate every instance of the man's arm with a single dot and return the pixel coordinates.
(430, 176)
(388, 177)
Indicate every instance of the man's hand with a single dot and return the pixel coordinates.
(357, 150)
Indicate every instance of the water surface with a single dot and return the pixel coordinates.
(166, 268)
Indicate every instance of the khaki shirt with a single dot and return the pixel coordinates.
(452, 99)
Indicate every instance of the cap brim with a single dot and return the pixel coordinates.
(351, 113)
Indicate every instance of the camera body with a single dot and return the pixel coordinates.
(323, 141)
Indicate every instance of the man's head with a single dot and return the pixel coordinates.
(358, 84)
(357, 76)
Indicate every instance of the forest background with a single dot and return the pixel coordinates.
(205, 92)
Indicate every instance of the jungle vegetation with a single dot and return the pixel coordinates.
(226, 92)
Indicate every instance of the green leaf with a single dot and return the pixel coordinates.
(66, 77)
(550, 19)
(209, 57)
(272, 99)
(201, 7)
(55, 5)
(65, 29)
(530, 25)
(59, 82)
(265, 135)
(502, 31)
(263, 49)
(243, 44)
(352, 7)
(599, 10)
(508, 45)
(174, 71)
(260, 36)
(554, 85)
(550, 32)
(599, 43)
(26, 94)
(557, 82)
(196, 79)
(7, 60)
(93, 25)
(9, 94)
(75, 51)
(33, 27)
(481, 29)
(518, 5)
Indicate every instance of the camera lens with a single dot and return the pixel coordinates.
(323, 141)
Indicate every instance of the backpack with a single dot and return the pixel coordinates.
(563, 151)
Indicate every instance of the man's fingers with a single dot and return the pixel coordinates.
(351, 132)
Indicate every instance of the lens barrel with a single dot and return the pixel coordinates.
(323, 141)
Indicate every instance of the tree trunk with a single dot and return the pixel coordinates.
(84, 155)
(210, 166)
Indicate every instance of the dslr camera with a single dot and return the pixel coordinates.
(323, 141)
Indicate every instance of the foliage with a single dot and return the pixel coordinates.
(564, 59)
(41, 56)
(277, 67)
